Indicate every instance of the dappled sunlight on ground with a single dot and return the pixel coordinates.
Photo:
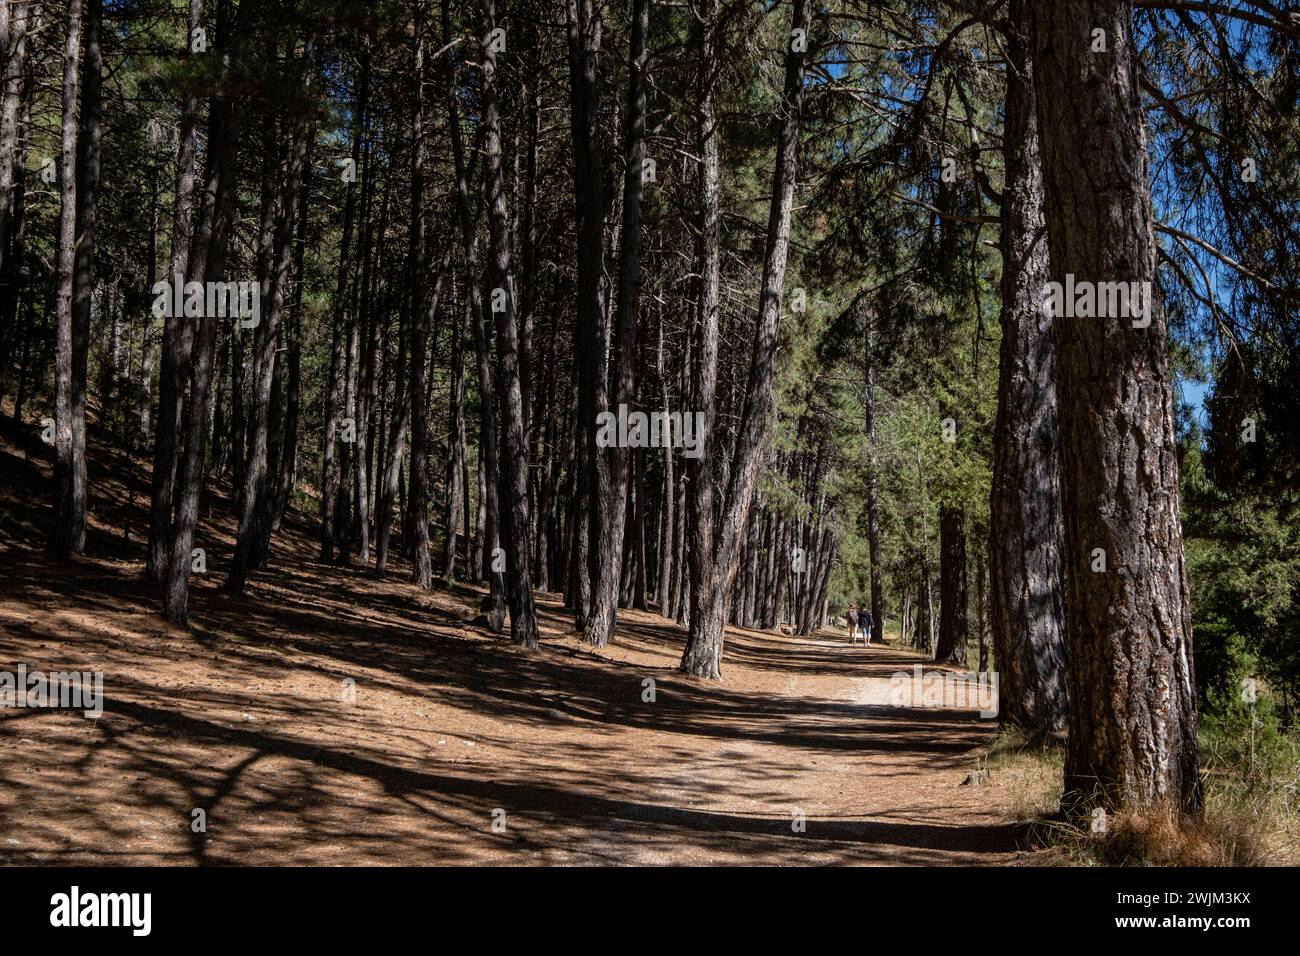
(248, 717)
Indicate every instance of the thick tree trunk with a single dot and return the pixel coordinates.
(1026, 588)
(1132, 690)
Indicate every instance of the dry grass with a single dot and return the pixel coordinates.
(1030, 774)
(1243, 824)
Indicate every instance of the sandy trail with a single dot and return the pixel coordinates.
(458, 748)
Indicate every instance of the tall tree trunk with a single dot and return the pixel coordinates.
(1026, 588)
(610, 503)
(528, 228)
(981, 609)
(14, 254)
(69, 532)
(639, 570)
(782, 567)
(516, 524)
(333, 392)
(489, 456)
(207, 263)
(669, 545)
(12, 90)
(88, 175)
(711, 578)
(1132, 688)
(455, 449)
(584, 31)
(256, 500)
(873, 495)
(392, 472)
(145, 382)
(369, 321)
(422, 560)
(288, 431)
(542, 558)
(178, 333)
(703, 654)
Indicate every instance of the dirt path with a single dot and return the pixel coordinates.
(247, 719)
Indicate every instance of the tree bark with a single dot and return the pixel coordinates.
(1026, 590)
(669, 543)
(330, 463)
(255, 501)
(207, 262)
(712, 577)
(954, 629)
(610, 503)
(516, 525)
(12, 90)
(873, 495)
(418, 501)
(68, 535)
(456, 448)
(489, 456)
(1132, 690)
(703, 653)
(287, 440)
(178, 334)
(584, 33)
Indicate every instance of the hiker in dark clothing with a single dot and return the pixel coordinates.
(865, 622)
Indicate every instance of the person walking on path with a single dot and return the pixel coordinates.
(865, 622)
(852, 616)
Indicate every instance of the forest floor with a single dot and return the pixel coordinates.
(246, 716)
